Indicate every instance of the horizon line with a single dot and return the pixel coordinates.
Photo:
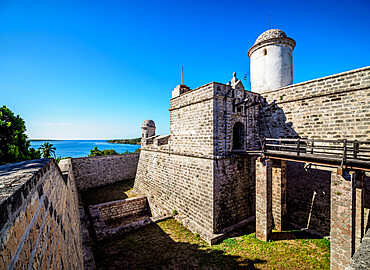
(79, 139)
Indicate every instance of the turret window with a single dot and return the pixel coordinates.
(264, 51)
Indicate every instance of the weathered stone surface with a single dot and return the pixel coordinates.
(263, 199)
(344, 204)
(361, 259)
(126, 215)
(279, 200)
(97, 171)
(308, 197)
(332, 107)
(41, 228)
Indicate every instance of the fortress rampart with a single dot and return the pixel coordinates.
(39, 219)
(91, 172)
(333, 107)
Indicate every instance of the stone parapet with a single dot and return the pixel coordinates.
(39, 217)
(92, 172)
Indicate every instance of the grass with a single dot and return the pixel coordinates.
(111, 192)
(169, 245)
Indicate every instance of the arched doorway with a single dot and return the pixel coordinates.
(238, 136)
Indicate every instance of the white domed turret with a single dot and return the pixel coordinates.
(148, 129)
(271, 63)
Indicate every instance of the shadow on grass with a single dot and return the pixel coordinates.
(111, 192)
(289, 234)
(294, 234)
(152, 248)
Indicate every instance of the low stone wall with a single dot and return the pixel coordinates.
(92, 172)
(121, 216)
(123, 208)
(39, 218)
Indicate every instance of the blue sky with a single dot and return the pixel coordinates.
(98, 69)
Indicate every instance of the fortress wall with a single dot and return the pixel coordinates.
(177, 182)
(234, 191)
(97, 171)
(191, 122)
(308, 197)
(39, 218)
(334, 107)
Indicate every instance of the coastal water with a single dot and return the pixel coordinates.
(81, 148)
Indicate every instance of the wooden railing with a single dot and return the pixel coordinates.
(332, 150)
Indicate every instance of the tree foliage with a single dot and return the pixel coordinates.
(14, 146)
(47, 149)
(126, 141)
(96, 152)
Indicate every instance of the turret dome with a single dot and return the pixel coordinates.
(148, 123)
(271, 37)
(270, 34)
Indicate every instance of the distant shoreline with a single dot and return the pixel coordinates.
(135, 141)
(41, 140)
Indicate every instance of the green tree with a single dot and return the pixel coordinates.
(14, 146)
(47, 149)
(96, 152)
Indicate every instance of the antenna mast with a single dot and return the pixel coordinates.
(269, 21)
(182, 75)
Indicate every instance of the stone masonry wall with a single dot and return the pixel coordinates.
(191, 122)
(333, 107)
(234, 191)
(39, 219)
(123, 208)
(91, 172)
(308, 197)
(177, 182)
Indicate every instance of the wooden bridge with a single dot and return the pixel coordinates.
(346, 161)
(345, 154)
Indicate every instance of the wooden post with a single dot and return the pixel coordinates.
(355, 148)
(298, 146)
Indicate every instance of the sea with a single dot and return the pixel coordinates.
(81, 148)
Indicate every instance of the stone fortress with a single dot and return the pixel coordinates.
(209, 168)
